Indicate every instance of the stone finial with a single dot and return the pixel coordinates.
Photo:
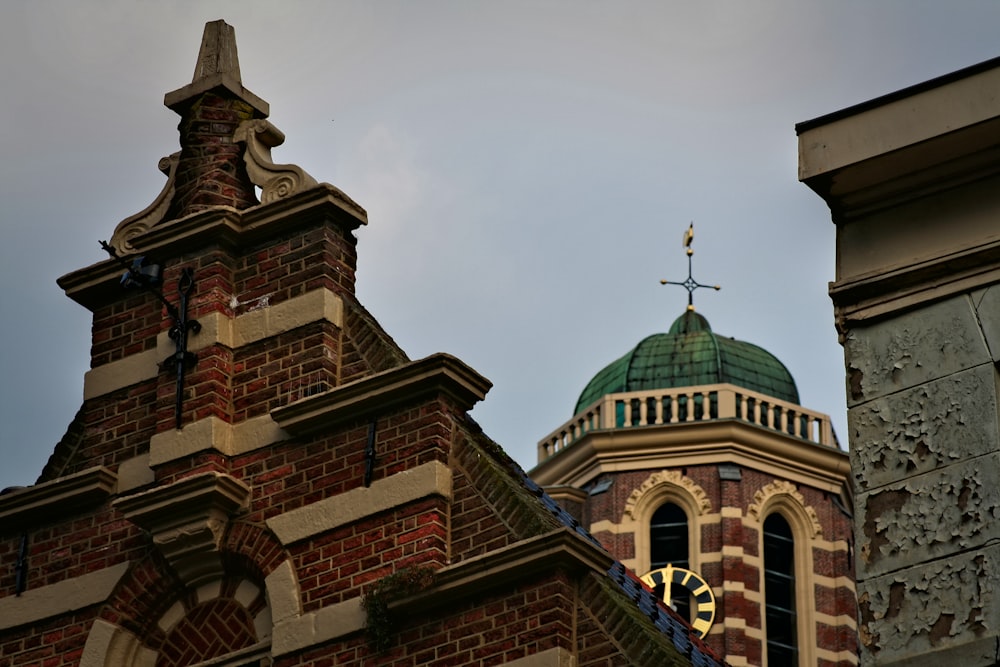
(218, 70)
(218, 52)
(225, 145)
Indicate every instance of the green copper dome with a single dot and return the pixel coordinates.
(690, 355)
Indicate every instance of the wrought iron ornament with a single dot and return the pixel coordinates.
(145, 276)
(690, 284)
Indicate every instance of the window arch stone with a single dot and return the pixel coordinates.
(665, 486)
(781, 497)
(784, 495)
(223, 600)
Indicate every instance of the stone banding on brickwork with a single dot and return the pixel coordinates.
(430, 479)
(62, 597)
(213, 433)
(217, 329)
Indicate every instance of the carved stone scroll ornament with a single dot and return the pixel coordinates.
(276, 181)
(149, 217)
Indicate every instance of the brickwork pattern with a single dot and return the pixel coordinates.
(337, 566)
(54, 643)
(312, 254)
(106, 431)
(281, 369)
(211, 171)
(490, 507)
(731, 531)
(210, 630)
(127, 326)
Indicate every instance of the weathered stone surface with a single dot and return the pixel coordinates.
(951, 509)
(939, 613)
(987, 304)
(932, 342)
(916, 430)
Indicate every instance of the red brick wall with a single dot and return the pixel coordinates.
(611, 504)
(211, 171)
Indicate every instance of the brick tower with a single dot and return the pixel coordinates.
(690, 456)
(258, 475)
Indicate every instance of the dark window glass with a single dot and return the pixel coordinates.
(668, 539)
(779, 592)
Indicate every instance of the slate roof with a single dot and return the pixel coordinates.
(689, 355)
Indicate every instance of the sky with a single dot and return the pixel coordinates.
(528, 168)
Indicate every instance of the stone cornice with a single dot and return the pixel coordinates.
(98, 284)
(558, 549)
(187, 519)
(720, 441)
(884, 292)
(431, 478)
(32, 505)
(438, 373)
(178, 100)
(262, 322)
(918, 141)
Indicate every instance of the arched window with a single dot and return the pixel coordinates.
(779, 592)
(668, 545)
(668, 537)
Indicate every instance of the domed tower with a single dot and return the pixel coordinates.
(692, 461)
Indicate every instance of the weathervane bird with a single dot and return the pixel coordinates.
(690, 284)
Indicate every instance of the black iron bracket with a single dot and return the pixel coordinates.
(370, 454)
(145, 276)
(21, 568)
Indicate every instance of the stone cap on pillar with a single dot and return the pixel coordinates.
(218, 67)
(901, 146)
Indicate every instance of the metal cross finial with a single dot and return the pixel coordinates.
(690, 284)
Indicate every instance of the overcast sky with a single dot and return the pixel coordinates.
(528, 169)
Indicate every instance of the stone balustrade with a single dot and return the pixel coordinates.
(690, 404)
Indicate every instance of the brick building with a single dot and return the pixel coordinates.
(691, 456)
(258, 475)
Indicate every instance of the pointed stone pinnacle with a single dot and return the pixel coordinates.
(218, 52)
(218, 70)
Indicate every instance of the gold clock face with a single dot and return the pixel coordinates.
(704, 599)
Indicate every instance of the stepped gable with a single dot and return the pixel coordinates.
(279, 484)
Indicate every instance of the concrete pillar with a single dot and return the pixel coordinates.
(913, 184)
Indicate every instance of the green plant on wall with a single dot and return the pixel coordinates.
(380, 620)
